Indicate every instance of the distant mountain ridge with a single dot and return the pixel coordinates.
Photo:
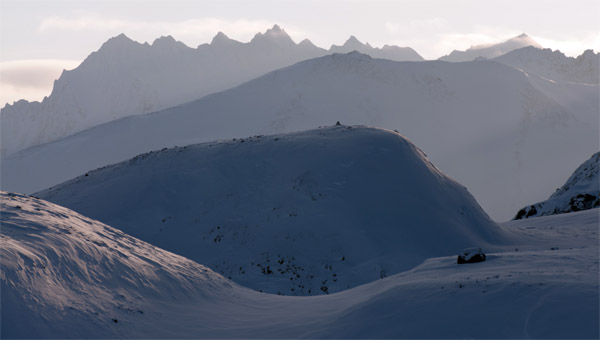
(554, 65)
(126, 78)
(491, 50)
(476, 120)
(580, 192)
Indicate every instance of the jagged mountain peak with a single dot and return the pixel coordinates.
(167, 42)
(273, 35)
(220, 37)
(118, 41)
(352, 40)
(306, 42)
(490, 51)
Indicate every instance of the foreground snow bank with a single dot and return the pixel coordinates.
(65, 275)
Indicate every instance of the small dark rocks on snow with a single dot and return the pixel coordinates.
(470, 255)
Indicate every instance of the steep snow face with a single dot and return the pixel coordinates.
(60, 269)
(386, 52)
(580, 192)
(555, 65)
(491, 51)
(301, 214)
(487, 125)
(126, 78)
(65, 275)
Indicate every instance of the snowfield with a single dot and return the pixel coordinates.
(64, 275)
(489, 126)
(313, 212)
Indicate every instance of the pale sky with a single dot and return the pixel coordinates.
(40, 38)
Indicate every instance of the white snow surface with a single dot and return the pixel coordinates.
(554, 65)
(580, 192)
(64, 275)
(489, 126)
(309, 213)
(491, 51)
(126, 78)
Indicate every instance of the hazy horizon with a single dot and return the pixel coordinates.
(47, 37)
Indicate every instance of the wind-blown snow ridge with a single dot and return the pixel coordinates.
(308, 213)
(580, 192)
(125, 78)
(64, 275)
(59, 267)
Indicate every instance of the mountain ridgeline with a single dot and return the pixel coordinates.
(126, 78)
(476, 120)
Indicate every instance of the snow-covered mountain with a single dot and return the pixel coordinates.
(491, 51)
(65, 275)
(308, 213)
(386, 52)
(126, 78)
(555, 65)
(487, 125)
(580, 192)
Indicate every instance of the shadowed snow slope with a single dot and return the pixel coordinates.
(300, 214)
(580, 192)
(63, 275)
(487, 125)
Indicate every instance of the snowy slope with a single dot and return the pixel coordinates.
(126, 78)
(555, 65)
(64, 275)
(491, 51)
(580, 192)
(487, 125)
(300, 214)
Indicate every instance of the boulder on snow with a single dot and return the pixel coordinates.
(470, 255)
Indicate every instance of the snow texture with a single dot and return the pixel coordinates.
(64, 275)
(365, 200)
(489, 126)
(125, 78)
(580, 192)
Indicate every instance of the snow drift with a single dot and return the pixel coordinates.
(580, 192)
(487, 125)
(308, 213)
(64, 275)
